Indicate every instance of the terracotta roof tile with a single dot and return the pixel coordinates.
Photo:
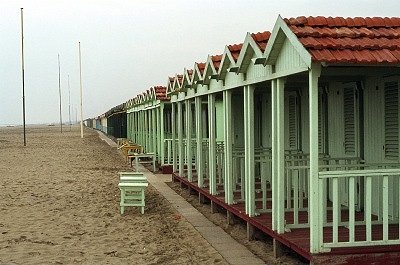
(161, 93)
(201, 67)
(216, 59)
(349, 40)
(261, 38)
(235, 50)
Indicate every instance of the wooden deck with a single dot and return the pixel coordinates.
(298, 239)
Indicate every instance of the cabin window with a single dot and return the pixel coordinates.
(391, 120)
(349, 118)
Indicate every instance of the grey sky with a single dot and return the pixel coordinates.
(129, 46)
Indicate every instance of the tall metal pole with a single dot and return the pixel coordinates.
(23, 73)
(80, 79)
(69, 104)
(59, 88)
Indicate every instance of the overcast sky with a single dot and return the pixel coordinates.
(129, 46)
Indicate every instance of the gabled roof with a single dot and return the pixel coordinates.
(212, 66)
(254, 45)
(178, 82)
(187, 78)
(198, 74)
(170, 85)
(338, 40)
(229, 59)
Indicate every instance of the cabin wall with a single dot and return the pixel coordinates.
(238, 119)
(219, 119)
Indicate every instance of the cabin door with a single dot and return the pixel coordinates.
(351, 135)
(391, 140)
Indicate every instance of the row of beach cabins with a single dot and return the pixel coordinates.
(294, 131)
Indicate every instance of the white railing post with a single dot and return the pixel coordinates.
(199, 143)
(212, 145)
(173, 129)
(181, 146)
(314, 207)
(248, 92)
(189, 156)
(227, 98)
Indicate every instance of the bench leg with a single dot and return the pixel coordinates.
(143, 201)
(122, 201)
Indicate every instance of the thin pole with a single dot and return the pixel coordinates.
(23, 73)
(59, 88)
(80, 80)
(69, 104)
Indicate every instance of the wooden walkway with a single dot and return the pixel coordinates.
(298, 239)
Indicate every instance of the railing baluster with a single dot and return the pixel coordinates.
(335, 209)
(351, 208)
(289, 177)
(368, 204)
(296, 176)
(385, 202)
(242, 176)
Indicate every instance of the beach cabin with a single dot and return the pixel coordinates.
(149, 123)
(309, 147)
(116, 121)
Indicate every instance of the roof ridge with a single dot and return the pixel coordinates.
(368, 22)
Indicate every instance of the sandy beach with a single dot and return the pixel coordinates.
(59, 205)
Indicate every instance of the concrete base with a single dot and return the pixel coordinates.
(278, 248)
(250, 231)
(202, 198)
(214, 207)
(192, 191)
(230, 218)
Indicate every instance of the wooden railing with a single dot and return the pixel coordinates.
(378, 225)
(297, 182)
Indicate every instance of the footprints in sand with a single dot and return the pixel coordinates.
(23, 239)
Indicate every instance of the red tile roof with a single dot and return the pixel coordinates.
(261, 38)
(180, 79)
(216, 59)
(349, 40)
(201, 67)
(235, 50)
(190, 73)
(161, 92)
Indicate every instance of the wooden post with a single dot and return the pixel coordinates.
(250, 231)
(154, 130)
(199, 144)
(314, 203)
(228, 185)
(189, 156)
(248, 92)
(212, 167)
(280, 155)
(180, 139)
(174, 124)
(161, 131)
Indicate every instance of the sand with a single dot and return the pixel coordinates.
(59, 205)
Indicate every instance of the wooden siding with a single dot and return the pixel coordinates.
(257, 72)
(288, 58)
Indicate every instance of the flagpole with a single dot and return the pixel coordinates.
(23, 72)
(59, 88)
(69, 104)
(80, 80)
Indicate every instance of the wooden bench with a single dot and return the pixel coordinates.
(138, 156)
(132, 186)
